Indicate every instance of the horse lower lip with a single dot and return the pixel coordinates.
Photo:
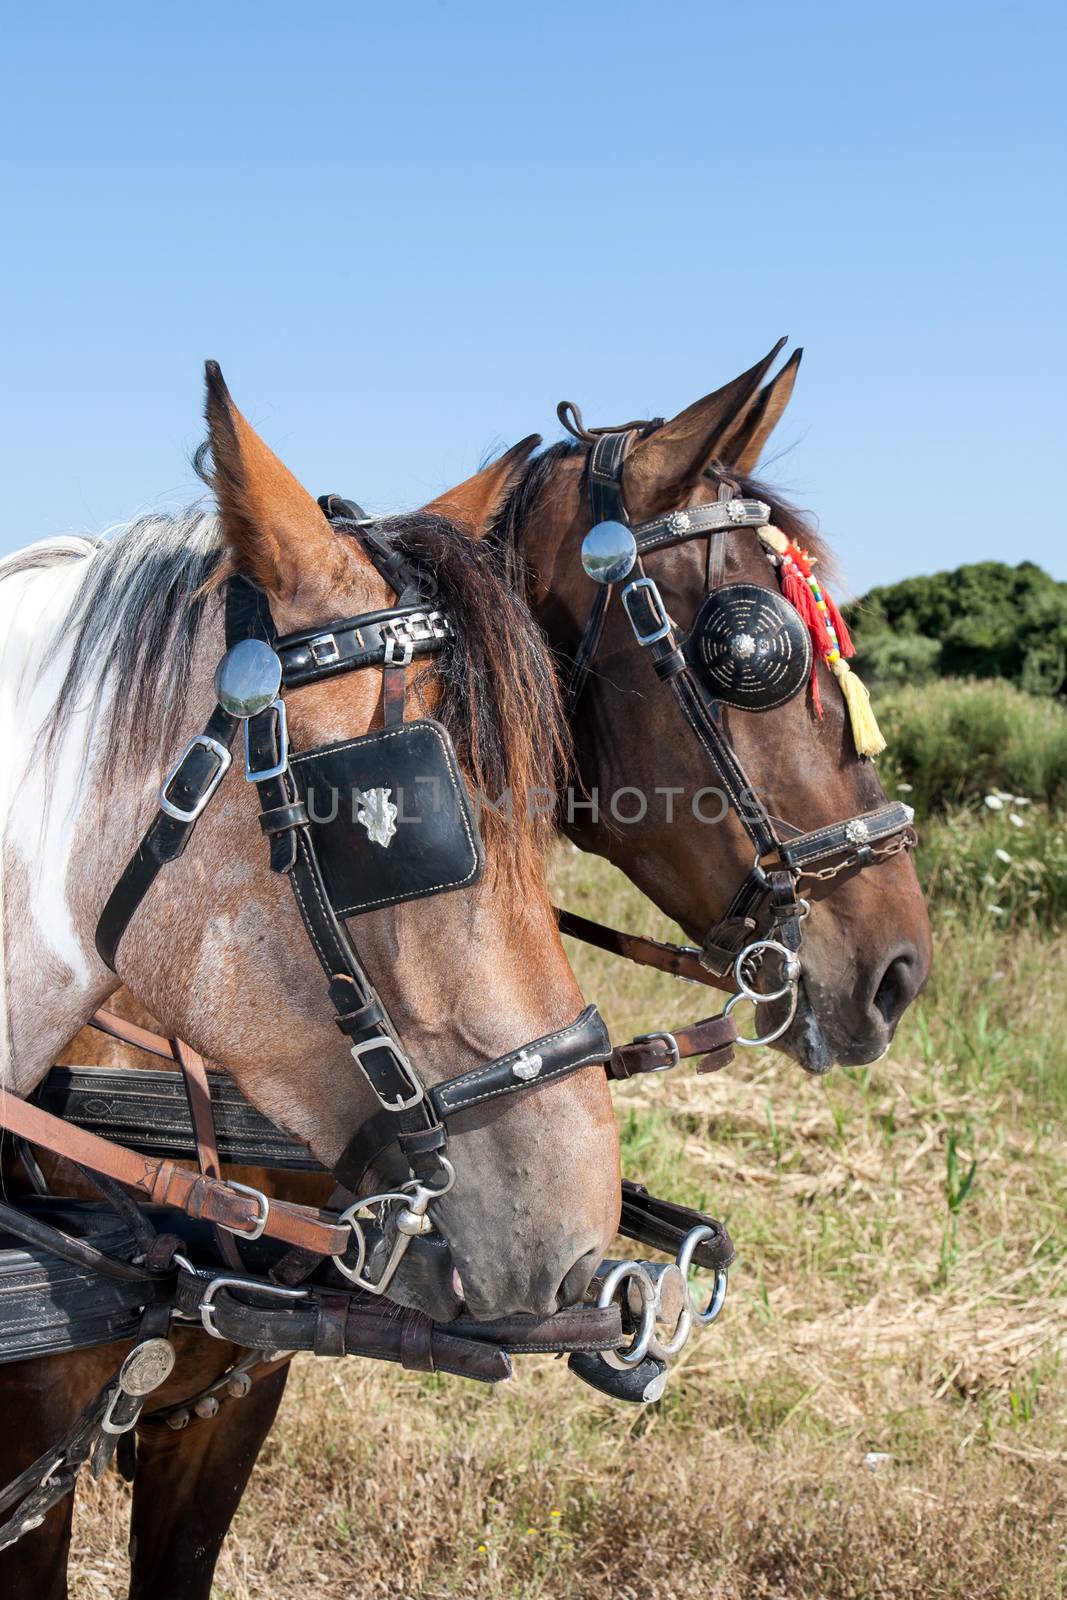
(457, 1284)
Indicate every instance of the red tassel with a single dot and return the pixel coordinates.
(816, 698)
(801, 598)
(844, 638)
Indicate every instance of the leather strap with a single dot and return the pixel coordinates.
(713, 1039)
(681, 961)
(544, 1060)
(165, 1184)
(367, 641)
(198, 1094)
(189, 787)
(662, 1225)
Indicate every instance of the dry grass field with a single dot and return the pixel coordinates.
(881, 1412)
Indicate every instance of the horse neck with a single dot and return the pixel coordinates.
(54, 827)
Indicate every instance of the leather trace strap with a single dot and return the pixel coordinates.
(242, 1211)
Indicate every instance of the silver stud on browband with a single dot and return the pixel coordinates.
(248, 678)
(608, 552)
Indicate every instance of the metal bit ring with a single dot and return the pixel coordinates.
(694, 1237)
(622, 1272)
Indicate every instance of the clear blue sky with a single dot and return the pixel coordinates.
(406, 231)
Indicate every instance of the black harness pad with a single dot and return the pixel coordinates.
(750, 646)
(390, 817)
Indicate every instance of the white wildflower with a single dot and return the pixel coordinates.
(904, 788)
(994, 802)
(1002, 855)
(996, 911)
(1021, 800)
(1015, 820)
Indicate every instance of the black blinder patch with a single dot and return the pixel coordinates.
(750, 646)
(390, 817)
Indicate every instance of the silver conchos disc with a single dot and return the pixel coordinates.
(147, 1366)
(751, 647)
(608, 552)
(248, 678)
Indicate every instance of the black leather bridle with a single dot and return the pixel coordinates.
(768, 896)
(414, 1116)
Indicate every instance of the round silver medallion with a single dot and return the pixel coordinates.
(609, 552)
(147, 1366)
(248, 678)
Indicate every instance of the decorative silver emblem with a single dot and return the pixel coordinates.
(680, 521)
(735, 510)
(147, 1366)
(248, 678)
(377, 814)
(527, 1065)
(743, 645)
(856, 831)
(609, 552)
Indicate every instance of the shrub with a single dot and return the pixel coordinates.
(987, 620)
(956, 742)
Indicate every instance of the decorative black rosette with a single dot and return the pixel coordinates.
(750, 646)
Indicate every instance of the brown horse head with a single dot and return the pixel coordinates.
(643, 793)
(216, 949)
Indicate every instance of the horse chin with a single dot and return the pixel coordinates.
(805, 1042)
(819, 1043)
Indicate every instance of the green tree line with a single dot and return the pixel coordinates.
(985, 620)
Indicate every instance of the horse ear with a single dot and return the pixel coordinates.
(276, 533)
(742, 447)
(475, 504)
(664, 467)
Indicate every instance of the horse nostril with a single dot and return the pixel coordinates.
(898, 987)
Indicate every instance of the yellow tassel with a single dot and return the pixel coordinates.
(774, 539)
(865, 730)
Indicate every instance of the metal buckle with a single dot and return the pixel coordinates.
(257, 1227)
(669, 1040)
(116, 1428)
(656, 598)
(282, 763)
(206, 1306)
(224, 758)
(382, 1041)
(398, 652)
(324, 650)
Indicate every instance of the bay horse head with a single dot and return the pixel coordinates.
(708, 680)
(362, 1017)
